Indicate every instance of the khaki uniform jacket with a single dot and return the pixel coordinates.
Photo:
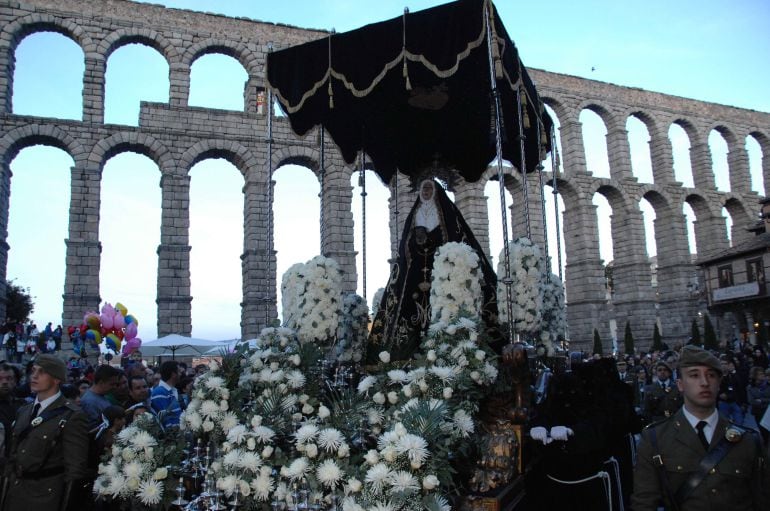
(40, 465)
(727, 487)
(660, 404)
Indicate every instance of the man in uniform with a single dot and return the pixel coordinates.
(49, 447)
(697, 459)
(661, 398)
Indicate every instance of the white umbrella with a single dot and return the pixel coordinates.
(175, 344)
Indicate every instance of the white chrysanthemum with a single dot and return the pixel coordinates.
(193, 419)
(444, 373)
(295, 379)
(306, 433)
(440, 503)
(229, 421)
(378, 476)
(365, 384)
(298, 468)
(330, 439)
(402, 481)
(350, 504)
(125, 435)
(329, 473)
(214, 382)
(463, 423)
(250, 461)
(210, 408)
(116, 486)
(382, 506)
(227, 484)
(262, 486)
(133, 469)
(232, 458)
(236, 434)
(263, 434)
(150, 492)
(397, 376)
(143, 440)
(414, 446)
(372, 457)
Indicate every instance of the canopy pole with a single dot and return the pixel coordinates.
(507, 280)
(556, 163)
(269, 241)
(542, 200)
(523, 159)
(321, 178)
(395, 211)
(362, 184)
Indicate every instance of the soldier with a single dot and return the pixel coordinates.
(661, 398)
(697, 459)
(49, 447)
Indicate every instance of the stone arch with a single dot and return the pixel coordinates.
(14, 32)
(297, 155)
(36, 134)
(657, 196)
(146, 37)
(233, 152)
(613, 192)
(236, 50)
(511, 175)
(653, 126)
(740, 215)
(728, 134)
(557, 106)
(701, 206)
(692, 132)
(608, 118)
(132, 141)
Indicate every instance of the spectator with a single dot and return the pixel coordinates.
(732, 392)
(94, 400)
(83, 386)
(165, 398)
(138, 401)
(758, 392)
(9, 405)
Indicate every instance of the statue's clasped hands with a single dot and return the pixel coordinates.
(558, 433)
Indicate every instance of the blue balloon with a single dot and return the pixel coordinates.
(111, 344)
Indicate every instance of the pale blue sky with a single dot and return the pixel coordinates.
(708, 50)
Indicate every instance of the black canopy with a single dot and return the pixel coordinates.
(413, 91)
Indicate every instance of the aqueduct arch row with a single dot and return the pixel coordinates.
(176, 136)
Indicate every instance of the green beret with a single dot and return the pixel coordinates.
(52, 365)
(695, 356)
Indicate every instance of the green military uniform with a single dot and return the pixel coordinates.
(46, 457)
(660, 403)
(736, 482)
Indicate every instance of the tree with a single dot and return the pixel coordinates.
(628, 339)
(710, 341)
(597, 343)
(657, 340)
(19, 304)
(695, 335)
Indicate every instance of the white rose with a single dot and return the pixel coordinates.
(303, 398)
(354, 485)
(323, 412)
(416, 464)
(295, 360)
(226, 446)
(128, 454)
(343, 451)
(385, 357)
(160, 473)
(379, 398)
(475, 375)
(389, 455)
(132, 483)
(423, 385)
(223, 405)
(407, 390)
(307, 409)
(392, 398)
(267, 451)
(274, 366)
(256, 421)
(251, 444)
(311, 450)
(447, 392)
(208, 426)
(372, 457)
(480, 355)
(430, 482)
(431, 355)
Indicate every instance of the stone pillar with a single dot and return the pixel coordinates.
(5, 195)
(633, 298)
(472, 203)
(81, 281)
(93, 89)
(259, 308)
(711, 235)
(253, 85)
(399, 205)
(678, 287)
(7, 69)
(174, 296)
(337, 231)
(584, 276)
(662, 158)
(573, 149)
(702, 165)
(619, 153)
(179, 84)
(738, 163)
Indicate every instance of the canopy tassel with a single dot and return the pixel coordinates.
(405, 70)
(331, 94)
(329, 89)
(494, 43)
(524, 112)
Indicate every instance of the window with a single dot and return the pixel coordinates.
(754, 271)
(725, 276)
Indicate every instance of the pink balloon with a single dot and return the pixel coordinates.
(130, 331)
(118, 320)
(108, 309)
(107, 320)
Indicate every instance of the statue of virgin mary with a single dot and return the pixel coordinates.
(403, 315)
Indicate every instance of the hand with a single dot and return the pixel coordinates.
(540, 434)
(561, 433)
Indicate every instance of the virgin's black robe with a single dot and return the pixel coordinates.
(403, 316)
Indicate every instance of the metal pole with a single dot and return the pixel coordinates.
(542, 203)
(554, 179)
(270, 296)
(507, 280)
(362, 184)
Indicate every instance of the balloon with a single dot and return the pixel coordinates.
(70, 330)
(108, 310)
(120, 334)
(113, 342)
(130, 331)
(119, 321)
(131, 346)
(94, 336)
(93, 320)
(131, 319)
(107, 320)
(83, 329)
(121, 308)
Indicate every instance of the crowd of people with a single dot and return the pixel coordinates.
(23, 340)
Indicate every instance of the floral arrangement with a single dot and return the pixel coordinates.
(209, 409)
(137, 467)
(554, 321)
(353, 329)
(527, 273)
(313, 301)
(456, 282)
